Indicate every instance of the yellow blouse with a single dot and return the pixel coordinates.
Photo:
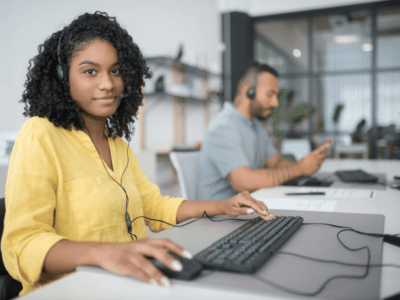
(58, 188)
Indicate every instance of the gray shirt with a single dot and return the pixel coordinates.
(231, 141)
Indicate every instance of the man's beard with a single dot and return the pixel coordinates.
(257, 112)
(262, 118)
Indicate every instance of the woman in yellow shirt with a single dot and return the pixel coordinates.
(75, 193)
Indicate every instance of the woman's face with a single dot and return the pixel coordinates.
(95, 80)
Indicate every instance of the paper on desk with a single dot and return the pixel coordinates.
(299, 204)
(340, 193)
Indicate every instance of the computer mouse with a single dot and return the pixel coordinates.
(191, 268)
(395, 186)
(308, 181)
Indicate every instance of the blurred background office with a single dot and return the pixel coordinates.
(338, 60)
(339, 74)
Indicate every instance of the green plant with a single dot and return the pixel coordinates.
(287, 116)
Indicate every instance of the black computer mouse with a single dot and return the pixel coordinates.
(308, 181)
(191, 268)
(395, 186)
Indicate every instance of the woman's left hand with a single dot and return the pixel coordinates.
(244, 204)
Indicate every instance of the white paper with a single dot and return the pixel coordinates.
(299, 204)
(339, 193)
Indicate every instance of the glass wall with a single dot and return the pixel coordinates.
(283, 45)
(344, 63)
(388, 61)
(388, 38)
(388, 103)
(342, 42)
(353, 92)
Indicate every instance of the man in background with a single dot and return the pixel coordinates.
(237, 154)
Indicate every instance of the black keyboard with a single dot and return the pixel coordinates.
(356, 176)
(248, 247)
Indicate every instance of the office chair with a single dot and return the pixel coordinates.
(9, 287)
(185, 163)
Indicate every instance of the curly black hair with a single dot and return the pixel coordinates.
(47, 95)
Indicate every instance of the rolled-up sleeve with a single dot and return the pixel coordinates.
(30, 206)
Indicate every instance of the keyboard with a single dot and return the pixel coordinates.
(248, 247)
(356, 176)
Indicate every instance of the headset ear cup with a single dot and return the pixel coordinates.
(60, 73)
(251, 93)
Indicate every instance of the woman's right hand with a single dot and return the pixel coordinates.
(129, 259)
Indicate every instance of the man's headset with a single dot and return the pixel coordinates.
(59, 71)
(251, 92)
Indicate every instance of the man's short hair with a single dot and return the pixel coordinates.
(251, 70)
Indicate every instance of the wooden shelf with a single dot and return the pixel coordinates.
(188, 98)
(185, 89)
(170, 62)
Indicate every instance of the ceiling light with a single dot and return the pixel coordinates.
(367, 47)
(296, 53)
(346, 38)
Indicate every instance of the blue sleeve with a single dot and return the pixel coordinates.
(269, 146)
(224, 150)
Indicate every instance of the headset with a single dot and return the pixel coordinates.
(59, 71)
(251, 92)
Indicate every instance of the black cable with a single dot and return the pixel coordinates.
(337, 262)
(367, 266)
(127, 216)
(359, 232)
(192, 221)
(325, 283)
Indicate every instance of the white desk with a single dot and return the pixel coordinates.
(92, 283)
(385, 202)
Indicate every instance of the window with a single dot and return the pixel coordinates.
(345, 56)
(388, 70)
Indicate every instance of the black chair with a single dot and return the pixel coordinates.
(9, 287)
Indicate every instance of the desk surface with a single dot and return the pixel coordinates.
(386, 202)
(95, 282)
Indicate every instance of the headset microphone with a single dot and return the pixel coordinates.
(122, 96)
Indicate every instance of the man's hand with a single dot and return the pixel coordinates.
(244, 204)
(312, 162)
